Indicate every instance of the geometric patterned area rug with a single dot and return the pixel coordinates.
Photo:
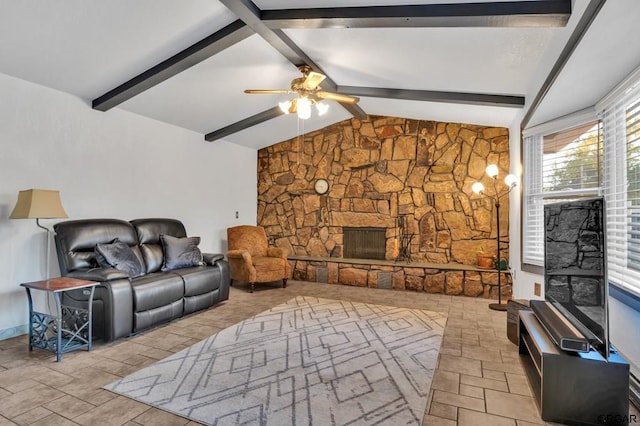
(308, 361)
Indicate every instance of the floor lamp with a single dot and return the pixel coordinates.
(39, 204)
(511, 181)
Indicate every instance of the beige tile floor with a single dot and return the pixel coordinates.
(479, 379)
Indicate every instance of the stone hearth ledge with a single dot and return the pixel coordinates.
(445, 278)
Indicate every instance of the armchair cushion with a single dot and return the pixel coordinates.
(120, 256)
(268, 265)
(180, 252)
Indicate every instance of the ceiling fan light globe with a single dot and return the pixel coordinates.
(304, 108)
(322, 108)
(284, 106)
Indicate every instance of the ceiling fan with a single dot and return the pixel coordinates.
(309, 93)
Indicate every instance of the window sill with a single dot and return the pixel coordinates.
(625, 296)
(532, 269)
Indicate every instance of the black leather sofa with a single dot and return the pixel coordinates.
(123, 305)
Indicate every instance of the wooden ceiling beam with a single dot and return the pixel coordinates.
(244, 124)
(436, 96)
(540, 13)
(192, 55)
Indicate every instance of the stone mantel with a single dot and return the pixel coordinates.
(451, 278)
(423, 265)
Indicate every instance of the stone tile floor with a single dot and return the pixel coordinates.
(479, 379)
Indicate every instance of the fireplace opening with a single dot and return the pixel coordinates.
(364, 243)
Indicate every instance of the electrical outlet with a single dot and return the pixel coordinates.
(537, 289)
(237, 215)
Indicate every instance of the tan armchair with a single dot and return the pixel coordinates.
(250, 258)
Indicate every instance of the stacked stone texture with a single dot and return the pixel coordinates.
(574, 253)
(380, 171)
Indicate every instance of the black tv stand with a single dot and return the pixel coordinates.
(572, 387)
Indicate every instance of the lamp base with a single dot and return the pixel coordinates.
(498, 306)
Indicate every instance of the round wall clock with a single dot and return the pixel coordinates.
(321, 186)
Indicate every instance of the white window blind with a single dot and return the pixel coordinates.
(621, 117)
(559, 165)
(532, 214)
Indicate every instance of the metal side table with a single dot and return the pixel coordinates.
(70, 328)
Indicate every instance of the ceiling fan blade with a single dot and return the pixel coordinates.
(345, 99)
(313, 80)
(267, 91)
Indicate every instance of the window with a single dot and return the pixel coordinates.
(578, 156)
(559, 164)
(571, 161)
(621, 117)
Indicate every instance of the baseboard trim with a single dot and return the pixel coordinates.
(9, 333)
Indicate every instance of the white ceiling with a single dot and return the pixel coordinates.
(609, 52)
(88, 47)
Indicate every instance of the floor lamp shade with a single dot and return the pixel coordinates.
(38, 204)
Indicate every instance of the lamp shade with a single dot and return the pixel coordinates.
(511, 180)
(38, 204)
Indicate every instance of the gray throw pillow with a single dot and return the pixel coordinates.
(120, 256)
(180, 252)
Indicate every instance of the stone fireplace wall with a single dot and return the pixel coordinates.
(410, 177)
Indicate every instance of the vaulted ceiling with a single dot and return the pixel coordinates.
(187, 62)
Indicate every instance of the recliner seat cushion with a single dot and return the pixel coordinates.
(199, 280)
(155, 290)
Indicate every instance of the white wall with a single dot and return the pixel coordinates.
(624, 331)
(111, 164)
(523, 285)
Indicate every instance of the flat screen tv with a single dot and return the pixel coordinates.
(575, 266)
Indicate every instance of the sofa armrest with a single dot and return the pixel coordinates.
(212, 258)
(277, 252)
(112, 301)
(99, 274)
